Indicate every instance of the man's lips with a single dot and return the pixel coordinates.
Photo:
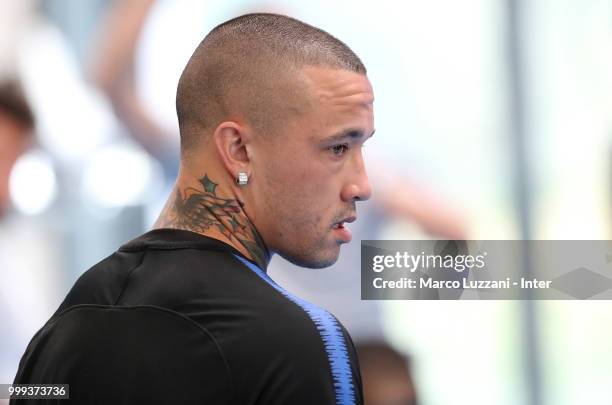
(348, 220)
(341, 231)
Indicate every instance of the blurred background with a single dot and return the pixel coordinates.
(493, 121)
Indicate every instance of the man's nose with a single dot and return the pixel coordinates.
(358, 188)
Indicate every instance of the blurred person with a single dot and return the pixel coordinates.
(27, 285)
(16, 128)
(387, 378)
(112, 68)
(273, 114)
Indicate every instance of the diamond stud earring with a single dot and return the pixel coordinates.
(242, 179)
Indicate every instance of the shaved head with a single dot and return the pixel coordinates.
(246, 70)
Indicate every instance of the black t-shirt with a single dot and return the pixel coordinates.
(174, 316)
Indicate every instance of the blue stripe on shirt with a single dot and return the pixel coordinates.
(330, 332)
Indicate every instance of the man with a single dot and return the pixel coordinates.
(272, 113)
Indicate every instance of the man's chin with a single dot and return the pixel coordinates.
(314, 261)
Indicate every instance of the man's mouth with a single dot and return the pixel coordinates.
(344, 233)
(348, 220)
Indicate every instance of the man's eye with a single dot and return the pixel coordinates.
(339, 150)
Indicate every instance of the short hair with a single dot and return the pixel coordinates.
(14, 104)
(242, 67)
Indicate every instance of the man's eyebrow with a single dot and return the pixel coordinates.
(350, 133)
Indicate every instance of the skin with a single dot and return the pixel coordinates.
(301, 181)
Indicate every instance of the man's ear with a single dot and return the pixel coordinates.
(232, 142)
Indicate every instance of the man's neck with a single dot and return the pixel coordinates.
(204, 207)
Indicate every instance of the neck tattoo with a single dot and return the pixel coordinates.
(199, 210)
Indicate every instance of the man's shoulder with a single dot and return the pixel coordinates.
(295, 339)
(102, 283)
(133, 354)
(304, 347)
(153, 271)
